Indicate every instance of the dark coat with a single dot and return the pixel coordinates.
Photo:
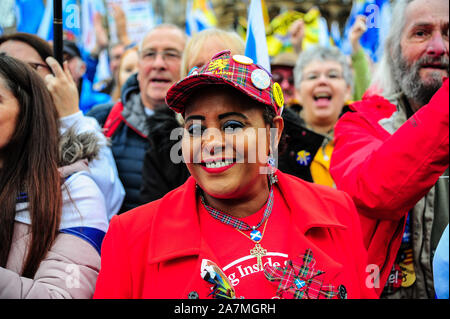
(296, 137)
(160, 174)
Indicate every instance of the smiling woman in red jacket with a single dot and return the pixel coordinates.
(237, 228)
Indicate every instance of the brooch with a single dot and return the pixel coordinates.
(300, 281)
(222, 288)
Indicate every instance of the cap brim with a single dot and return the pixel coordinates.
(180, 92)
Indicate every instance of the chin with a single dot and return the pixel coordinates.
(219, 191)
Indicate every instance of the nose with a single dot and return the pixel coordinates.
(159, 62)
(437, 45)
(212, 142)
(323, 79)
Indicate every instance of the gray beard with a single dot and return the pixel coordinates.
(410, 82)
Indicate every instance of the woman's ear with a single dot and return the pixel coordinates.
(278, 123)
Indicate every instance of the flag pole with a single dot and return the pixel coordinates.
(57, 31)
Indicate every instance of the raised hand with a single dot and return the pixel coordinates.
(62, 88)
(356, 32)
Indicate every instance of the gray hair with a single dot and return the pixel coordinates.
(318, 53)
(162, 26)
(384, 76)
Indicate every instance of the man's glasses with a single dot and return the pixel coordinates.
(167, 56)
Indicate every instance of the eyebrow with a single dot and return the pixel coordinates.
(194, 117)
(163, 50)
(328, 70)
(224, 115)
(428, 25)
(221, 116)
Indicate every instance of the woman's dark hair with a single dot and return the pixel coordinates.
(41, 46)
(30, 164)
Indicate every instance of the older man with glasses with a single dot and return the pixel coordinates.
(125, 122)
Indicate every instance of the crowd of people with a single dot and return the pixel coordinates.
(195, 173)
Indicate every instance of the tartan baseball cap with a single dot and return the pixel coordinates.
(237, 71)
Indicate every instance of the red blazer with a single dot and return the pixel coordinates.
(155, 251)
(386, 175)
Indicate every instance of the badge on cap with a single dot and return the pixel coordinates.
(193, 71)
(260, 79)
(278, 94)
(242, 59)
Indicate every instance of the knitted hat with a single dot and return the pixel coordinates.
(237, 71)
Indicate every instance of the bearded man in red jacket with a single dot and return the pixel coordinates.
(392, 151)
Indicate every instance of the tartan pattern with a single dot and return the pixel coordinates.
(300, 282)
(235, 222)
(222, 69)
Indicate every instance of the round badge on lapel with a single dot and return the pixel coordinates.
(260, 79)
(193, 295)
(303, 158)
(342, 292)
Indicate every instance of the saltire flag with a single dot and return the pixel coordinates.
(45, 30)
(88, 38)
(378, 15)
(28, 15)
(256, 44)
(70, 17)
(335, 33)
(199, 16)
(324, 35)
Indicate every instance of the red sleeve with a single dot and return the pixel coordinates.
(386, 178)
(114, 280)
(359, 253)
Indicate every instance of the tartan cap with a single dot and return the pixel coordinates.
(237, 71)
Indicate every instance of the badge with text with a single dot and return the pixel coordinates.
(278, 95)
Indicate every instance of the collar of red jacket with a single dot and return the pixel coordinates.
(176, 222)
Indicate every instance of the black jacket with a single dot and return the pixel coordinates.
(129, 141)
(296, 138)
(160, 174)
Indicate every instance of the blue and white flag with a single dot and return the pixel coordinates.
(324, 35)
(70, 19)
(45, 30)
(256, 43)
(199, 16)
(378, 15)
(28, 15)
(335, 33)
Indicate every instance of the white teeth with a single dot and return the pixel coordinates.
(320, 95)
(218, 164)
